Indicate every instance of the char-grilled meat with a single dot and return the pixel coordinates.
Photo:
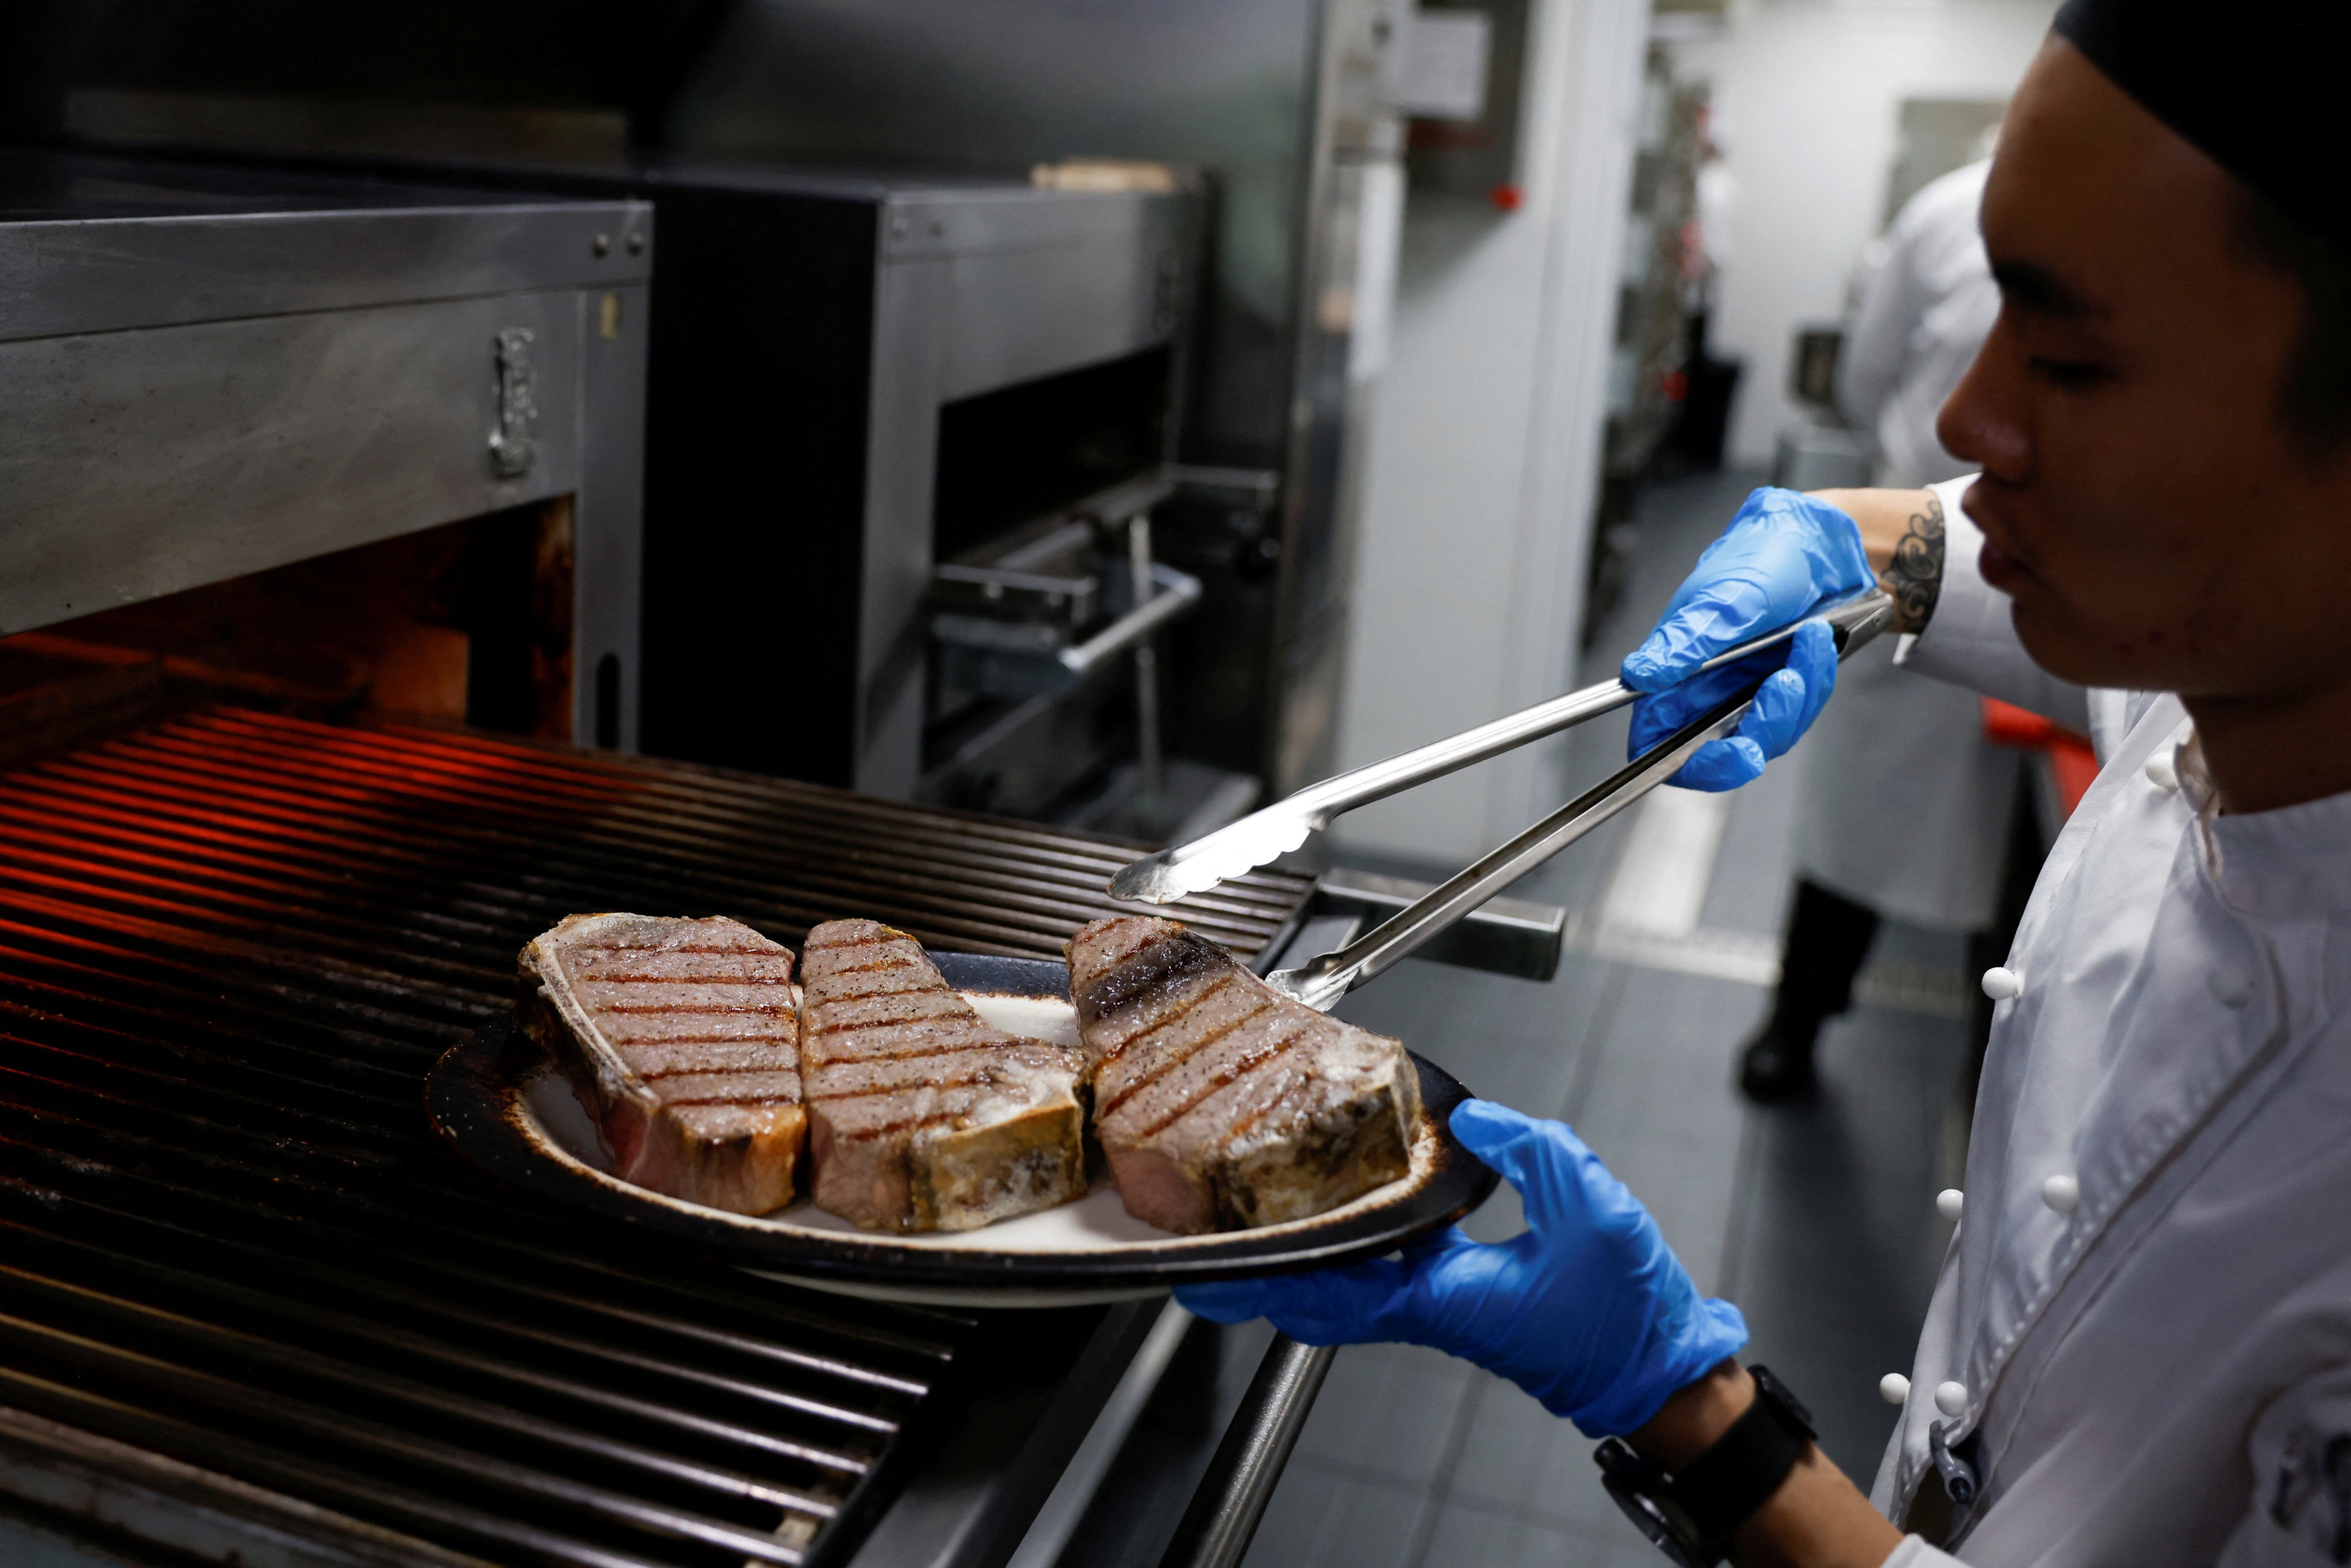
(682, 1039)
(1221, 1104)
(924, 1117)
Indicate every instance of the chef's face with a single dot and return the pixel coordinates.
(2156, 526)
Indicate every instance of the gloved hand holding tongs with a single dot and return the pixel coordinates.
(1588, 1309)
(1729, 678)
(1784, 554)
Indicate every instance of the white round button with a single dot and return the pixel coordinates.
(2003, 985)
(1949, 1202)
(1951, 1399)
(2162, 772)
(1894, 1388)
(2062, 1193)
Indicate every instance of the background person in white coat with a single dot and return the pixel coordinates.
(2139, 1349)
(1906, 805)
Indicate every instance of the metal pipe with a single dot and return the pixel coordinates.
(1232, 1495)
(1176, 592)
(1148, 765)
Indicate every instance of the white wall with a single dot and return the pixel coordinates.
(1483, 447)
(1806, 96)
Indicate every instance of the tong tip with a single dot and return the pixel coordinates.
(1154, 879)
(1231, 850)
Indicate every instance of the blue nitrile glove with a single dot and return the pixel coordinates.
(1781, 555)
(1587, 1310)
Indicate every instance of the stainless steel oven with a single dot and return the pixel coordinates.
(318, 561)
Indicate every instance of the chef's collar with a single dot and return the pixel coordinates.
(2255, 84)
(2292, 863)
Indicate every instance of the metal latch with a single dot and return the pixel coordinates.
(512, 447)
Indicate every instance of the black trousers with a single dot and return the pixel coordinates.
(1829, 937)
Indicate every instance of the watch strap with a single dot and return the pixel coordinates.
(1721, 1488)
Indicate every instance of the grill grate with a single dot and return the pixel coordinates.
(230, 946)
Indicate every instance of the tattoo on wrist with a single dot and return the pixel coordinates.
(1915, 575)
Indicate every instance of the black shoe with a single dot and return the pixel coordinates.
(1777, 1066)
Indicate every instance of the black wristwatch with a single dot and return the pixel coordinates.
(1692, 1514)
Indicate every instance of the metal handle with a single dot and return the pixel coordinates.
(1265, 834)
(1322, 982)
(1231, 1499)
(1178, 591)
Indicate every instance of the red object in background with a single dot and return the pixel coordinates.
(2071, 762)
(1507, 198)
(1676, 386)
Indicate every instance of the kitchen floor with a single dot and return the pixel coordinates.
(1818, 1221)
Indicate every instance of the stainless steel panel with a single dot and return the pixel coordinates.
(139, 463)
(608, 562)
(102, 275)
(1017, 314)
(957, 222)
(913, 315)
(980, 289)
(990, 86)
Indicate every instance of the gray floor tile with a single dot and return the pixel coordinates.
(1839, 1242)
(1510, 1041)
(1324, 1518)
(1661, 1110)
(1469, 1535)
(1518, 1456)
(1387, 1410)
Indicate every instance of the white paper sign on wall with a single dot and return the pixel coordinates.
(1444, 65)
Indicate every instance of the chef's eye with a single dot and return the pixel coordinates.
(2070, 375)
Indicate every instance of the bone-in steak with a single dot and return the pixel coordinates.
(681, 1038)
(1221, 1104)
(924, 1117)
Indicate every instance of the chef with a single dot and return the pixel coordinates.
(2139, 1348)
(1906, 802)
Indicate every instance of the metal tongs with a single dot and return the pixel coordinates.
(1266, 835)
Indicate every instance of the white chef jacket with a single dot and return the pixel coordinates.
(2161, 1376)
(1905, 803)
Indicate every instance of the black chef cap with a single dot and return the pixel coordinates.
(2256, 84)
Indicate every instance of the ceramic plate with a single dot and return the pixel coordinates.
(500, 1099)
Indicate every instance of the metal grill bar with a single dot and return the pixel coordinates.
(230, 945)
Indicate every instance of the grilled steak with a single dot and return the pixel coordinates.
(1221, 1104)
(682, 1039)
(924, 1117)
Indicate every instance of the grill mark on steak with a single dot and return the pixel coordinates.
(832, 1001)
(835, 1031)
(926, 1115)
(678, 1010)
(1266, 1057)
(983, 1079)
(1247, 1107)
(914, 1055)
(1183, 1010)
(685, 1051)
(1192, 1050)
(1160, 964)
(657, 948)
